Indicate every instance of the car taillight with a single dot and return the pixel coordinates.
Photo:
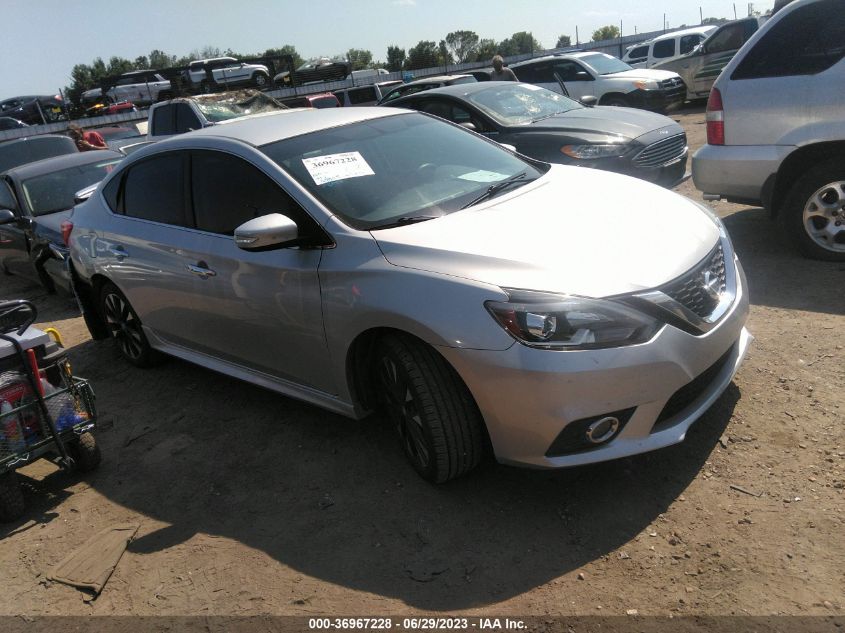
(715, 118)
(66, 227)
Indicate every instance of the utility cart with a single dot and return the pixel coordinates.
(45, 411)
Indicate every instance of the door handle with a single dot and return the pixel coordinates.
(201, 269)
(118, 252)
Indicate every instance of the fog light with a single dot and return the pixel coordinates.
(602, 430)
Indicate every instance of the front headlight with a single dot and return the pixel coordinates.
(557, 322)
(646, 84)
(588, 152)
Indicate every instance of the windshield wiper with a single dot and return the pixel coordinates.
(495, 188)
(412, 219)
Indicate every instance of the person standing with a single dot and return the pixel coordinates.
(500, 73)
(86, 141)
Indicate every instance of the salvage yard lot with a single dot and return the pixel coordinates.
(250, 503)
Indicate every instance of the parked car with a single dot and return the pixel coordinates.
(30, 149)
(185, 114)
(427, 83)
(38, 197)
(775, 130)
(34, 110)
(547, 126)
(664, 48)
(608, 79)
(100, 106)
(118, 136)
(8, 123)
(377, 258)
(141, 87)
(226, 72)
(315, 70)
(357, 75)
(700, 67)
(365, 95)
(319, 100)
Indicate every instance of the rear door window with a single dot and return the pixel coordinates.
(807, 41)
(664, 48)
(154, 190)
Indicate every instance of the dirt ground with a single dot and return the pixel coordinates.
(251, 503)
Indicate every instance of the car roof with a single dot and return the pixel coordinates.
(694, 29)
(56, 163)
(431, 78)
(275, 126)
(458, 90)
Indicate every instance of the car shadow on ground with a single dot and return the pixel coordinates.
(335, 499)
(778, 276)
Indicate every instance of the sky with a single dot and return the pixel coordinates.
(43, 40)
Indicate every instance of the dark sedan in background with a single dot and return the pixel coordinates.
(34, 109)
(553, 128)
(34, 201)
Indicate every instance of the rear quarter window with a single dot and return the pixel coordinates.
(807, 41)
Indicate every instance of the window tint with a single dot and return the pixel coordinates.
(638, 53)
(568, 71)
(728, 38)
(535, 73)
(228, 191)
(154, 190)
(110, 193)
(362, 95)
(163, 120)
(186, 120)
(689, 42)
(807, 41)
(664, 48)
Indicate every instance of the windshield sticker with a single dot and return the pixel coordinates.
(483, 176)
(333, 167)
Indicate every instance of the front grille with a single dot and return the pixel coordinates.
(699, 289)
(690, 392)
(673, 88)
(662, 152)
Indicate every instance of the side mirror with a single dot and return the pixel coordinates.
(589, 101)
(7, 217)
(468, 125)
(583, 75)
(269, 231)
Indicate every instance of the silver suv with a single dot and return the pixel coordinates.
(776, 130)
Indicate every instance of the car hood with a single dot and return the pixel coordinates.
(627, 122)
(643, 73)
(575, 231)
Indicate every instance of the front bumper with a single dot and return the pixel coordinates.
(659, 100)
(736, 172)
(527, 396)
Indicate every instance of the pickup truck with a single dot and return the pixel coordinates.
(141, 87)
(178, 116)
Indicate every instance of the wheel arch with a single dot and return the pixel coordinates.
(793, 166)
(608, 96)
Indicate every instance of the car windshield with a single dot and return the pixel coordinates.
(604, 64)
(397, 169)
(55, 191)
(518, 104)
(231, 105)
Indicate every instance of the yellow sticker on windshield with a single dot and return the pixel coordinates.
(332, 167)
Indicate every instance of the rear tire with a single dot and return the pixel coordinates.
(436, 418)
(813, 215)
(124, 327)
(260, 80)
(12, 505)
(85, 453)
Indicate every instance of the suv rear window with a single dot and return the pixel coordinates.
(807, 41)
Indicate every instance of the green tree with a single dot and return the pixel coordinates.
(462, 45)
(519, 44)
(485, 50)
(563, 41)
(160, 59)
(395, 58)
(423, 55)
(444, 57)
(609, 32)
(713, 21)
(359, 58)
(287, 49)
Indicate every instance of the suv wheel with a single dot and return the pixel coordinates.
(124, 326)
(438, 423)
(260, 80)
(813, 215)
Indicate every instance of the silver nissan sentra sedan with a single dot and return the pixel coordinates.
(376, 259)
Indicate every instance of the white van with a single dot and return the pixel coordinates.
(666, 47)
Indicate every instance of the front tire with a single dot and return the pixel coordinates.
(813, 216)
(124, 327)
(260, 80)
(85, 453)
(436, 418)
